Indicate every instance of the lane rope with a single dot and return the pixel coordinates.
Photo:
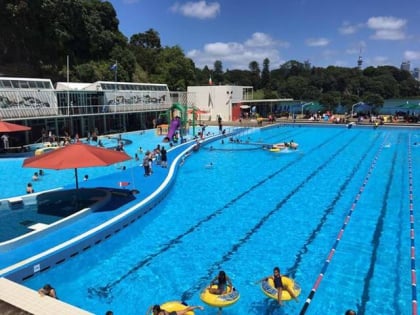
(412, 233)
(341, 232)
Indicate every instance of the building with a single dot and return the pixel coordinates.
(218, 100)
(82, 108)
(233, 102)
(405, 65)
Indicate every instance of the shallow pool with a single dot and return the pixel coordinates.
(334, 215)
(15, 178)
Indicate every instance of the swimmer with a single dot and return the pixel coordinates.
(29, 189)
(209, 165)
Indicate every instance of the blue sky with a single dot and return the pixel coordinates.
(324, 32)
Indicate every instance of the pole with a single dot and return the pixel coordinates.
(193, 120)
(68, 87)
(115, 83)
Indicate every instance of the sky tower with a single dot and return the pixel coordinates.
(360, 60)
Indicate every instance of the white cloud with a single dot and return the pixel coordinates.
(317, 42)
(412, 55)
(387, 27)
(235, 55)
(200, 9)
(348, 29)
(259, 39)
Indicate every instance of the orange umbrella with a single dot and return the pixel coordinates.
(75, 156)
(9, 127)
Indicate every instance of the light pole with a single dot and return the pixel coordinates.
(303, 106)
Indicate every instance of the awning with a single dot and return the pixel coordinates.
(244, 106)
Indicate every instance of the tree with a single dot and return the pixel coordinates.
(217, 72)
(146, 47)
(255, 74)
(265, 75)
(174, 69)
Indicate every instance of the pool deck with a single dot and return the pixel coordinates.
(19, 300)
(23, 260)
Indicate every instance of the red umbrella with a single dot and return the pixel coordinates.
(9, 127)
(197, 111)
(75, 156)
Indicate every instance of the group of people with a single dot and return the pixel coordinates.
(35, 177)
(157, 155)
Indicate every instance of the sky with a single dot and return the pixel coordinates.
(323, 32)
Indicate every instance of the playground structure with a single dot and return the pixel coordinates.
(178, 123)
(179, 117)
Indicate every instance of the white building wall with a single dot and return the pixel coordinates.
(216, 99)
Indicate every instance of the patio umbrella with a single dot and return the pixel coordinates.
(9, 127)
(197, 111)
(76, 156)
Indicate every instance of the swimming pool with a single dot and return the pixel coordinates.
(338, 206)
(15, 178)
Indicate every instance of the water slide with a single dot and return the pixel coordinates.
(175, 124)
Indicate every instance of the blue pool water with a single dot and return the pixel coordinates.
(15, 178)
(337, 206)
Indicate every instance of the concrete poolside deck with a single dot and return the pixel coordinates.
(16, 299)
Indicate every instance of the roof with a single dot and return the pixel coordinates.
(65, 86)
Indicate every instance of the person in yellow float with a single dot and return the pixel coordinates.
(278, 284)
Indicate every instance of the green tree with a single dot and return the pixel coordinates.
(217, 72)
(265, 75)
(254, 68)
(174, 69)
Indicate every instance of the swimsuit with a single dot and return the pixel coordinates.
(277, 282)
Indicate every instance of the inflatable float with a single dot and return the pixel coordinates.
(41, 151)
(284, 145)
(173, 306)
(220, 300)
(267, 286)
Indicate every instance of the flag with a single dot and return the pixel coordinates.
(114, 67)
(210, 81)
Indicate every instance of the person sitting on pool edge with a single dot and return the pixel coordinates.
(221, 281)
(158, 311)
(48, 290)
(278, 284)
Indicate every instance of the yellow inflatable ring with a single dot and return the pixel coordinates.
(220, 300)
(267, 286)
(174, 306)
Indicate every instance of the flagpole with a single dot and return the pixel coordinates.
(68, 87)
(115, 83)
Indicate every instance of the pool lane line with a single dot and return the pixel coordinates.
(377, 233)
(105, 291)
(291, 271)
(341, 232)
(235, 247)
(414, 304)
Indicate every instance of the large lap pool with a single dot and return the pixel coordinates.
(338, 215)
